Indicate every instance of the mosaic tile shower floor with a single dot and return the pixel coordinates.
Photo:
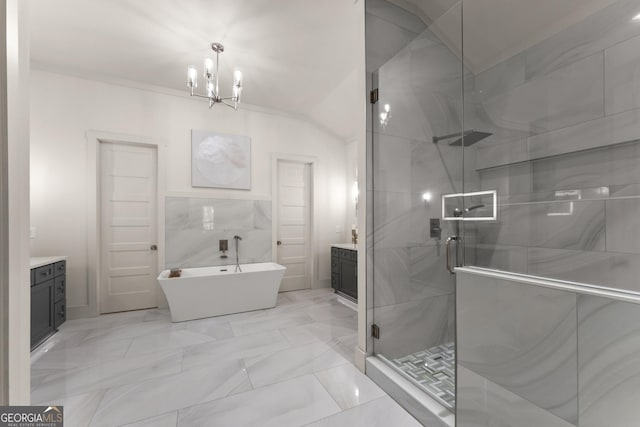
(433, 370)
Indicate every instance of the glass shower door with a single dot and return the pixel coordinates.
(417, 158)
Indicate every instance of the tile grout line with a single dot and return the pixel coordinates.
(98, 405)
(357, 406)
(242, 393)
(151, 417)
(329, 393)
(246, 369)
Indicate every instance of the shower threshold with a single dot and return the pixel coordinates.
(432, 370)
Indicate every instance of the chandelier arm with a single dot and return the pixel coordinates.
(234, 106)
(197, 95)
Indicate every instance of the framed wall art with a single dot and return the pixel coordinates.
(220, 161)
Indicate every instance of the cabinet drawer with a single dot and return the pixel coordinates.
(348, 254)
(60, 268)
(60, 313)
(335, 252)
(43, 273)
(59, 288)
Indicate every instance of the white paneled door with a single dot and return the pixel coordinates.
(294, 199)
(128, 252)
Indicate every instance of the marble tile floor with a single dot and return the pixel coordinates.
(286, 366)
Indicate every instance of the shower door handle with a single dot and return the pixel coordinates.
(448, 249)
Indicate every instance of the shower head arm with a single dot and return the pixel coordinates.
(473, 208)
(437, 139)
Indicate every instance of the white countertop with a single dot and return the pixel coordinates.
(345, 246)
(44, 260)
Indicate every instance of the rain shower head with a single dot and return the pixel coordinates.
(469, 137)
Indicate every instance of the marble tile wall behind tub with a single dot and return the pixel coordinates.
(194, 226)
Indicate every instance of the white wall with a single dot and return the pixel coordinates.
(351, 160)
(64, 108)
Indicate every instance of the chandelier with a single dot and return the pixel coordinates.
(211, 77)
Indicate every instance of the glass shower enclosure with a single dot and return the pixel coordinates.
(503, 136)
(417, 158)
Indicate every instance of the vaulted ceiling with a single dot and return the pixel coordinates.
(297, 56)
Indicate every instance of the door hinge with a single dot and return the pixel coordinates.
(375, 331)
(373, 96)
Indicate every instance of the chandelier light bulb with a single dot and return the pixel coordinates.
(208, 68)
(237, 85)
(192, 77)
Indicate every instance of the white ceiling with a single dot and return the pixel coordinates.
(297, 56)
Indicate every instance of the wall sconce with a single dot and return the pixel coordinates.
(426, 196)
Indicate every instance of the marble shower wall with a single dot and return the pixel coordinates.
(194, 226)
(564, 154)
(536, 356)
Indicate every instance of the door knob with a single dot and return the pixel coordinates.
(278, 242)
(154, 247)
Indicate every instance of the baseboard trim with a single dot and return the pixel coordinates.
(360, 358)
(80, 312)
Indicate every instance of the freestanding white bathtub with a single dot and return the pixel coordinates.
(214, 291)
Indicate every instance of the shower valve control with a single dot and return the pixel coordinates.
(435, 231)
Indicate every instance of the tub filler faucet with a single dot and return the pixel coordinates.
(237, 239)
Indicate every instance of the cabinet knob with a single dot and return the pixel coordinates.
(279, 242)
(154, 247)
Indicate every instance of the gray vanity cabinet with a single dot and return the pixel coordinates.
(48, 302)
(344, 271)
